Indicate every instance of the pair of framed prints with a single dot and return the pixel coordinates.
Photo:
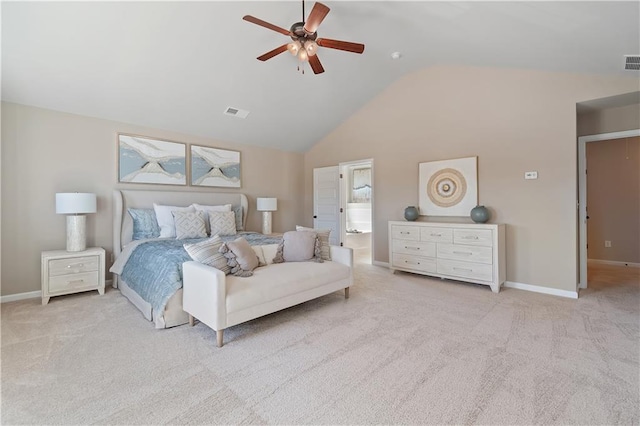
(146, 160)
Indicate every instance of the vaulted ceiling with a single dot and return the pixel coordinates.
(179, 65)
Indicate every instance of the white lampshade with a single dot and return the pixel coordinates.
(267, 204)
(75, 203)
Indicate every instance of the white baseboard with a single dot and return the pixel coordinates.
(30, 295)
(613, 262)
(539, 289)
(20, 296)
(378, 263)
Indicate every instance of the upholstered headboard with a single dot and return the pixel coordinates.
(140, 199)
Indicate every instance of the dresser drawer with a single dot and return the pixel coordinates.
(73, 265)
(405, 232)
(476, 237)
(465, 253)
(417, 263)
(417, 248)
(437, 235)
(73, 281)
(475, 271)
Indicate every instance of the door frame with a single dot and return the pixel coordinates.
(343, 167)
(582, 194)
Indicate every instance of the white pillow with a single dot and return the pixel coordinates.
(222, 223)
(165, 218)
(265, 253)
(207, 209)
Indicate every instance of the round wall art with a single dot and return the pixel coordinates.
(448, 187)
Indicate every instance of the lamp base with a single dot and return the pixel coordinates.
(76, 232)
(266, 223)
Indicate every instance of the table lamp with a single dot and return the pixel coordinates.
(266, 206)
(76, 205)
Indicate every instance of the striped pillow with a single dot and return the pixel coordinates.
(208, 253)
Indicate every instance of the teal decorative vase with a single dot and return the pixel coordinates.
(480, 214)
(411, 213)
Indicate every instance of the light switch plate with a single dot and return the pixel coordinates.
(531, 175)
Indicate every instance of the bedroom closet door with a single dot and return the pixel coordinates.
(326, 201)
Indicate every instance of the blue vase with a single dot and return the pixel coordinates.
(480, 214)
(411, 213)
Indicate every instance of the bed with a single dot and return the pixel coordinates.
(170, 314)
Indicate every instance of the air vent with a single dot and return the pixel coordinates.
(236, 112)
(632, 62)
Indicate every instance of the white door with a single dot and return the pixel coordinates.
(326, 201)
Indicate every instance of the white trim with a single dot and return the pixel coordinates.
(378, 263)
(582, 195)
(544, 290)
(613, 262)
(28, 295)
(20, 296)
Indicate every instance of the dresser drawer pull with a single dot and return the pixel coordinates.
(436, 235)
(75, 282)
(412, 248)
(411, 263)
(463, 252)
(471, 237)
(74, 265)
(462, 269)
(405, 232)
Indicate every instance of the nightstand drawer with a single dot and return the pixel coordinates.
(73, 281)
(73, 265)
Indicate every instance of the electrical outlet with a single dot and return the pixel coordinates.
(531, 175)
(607, 244)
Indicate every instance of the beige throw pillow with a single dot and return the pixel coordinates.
(298, 246)
(240, 257)
(208, 252)
(189, 224)
(222, 223)
(323, 237)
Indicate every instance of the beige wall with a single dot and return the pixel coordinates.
(613, 199)
(609, 120)
(513, 120)
(44, 152)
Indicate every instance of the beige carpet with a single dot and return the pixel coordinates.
(402, 350)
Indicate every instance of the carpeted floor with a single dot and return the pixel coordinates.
(403, 349)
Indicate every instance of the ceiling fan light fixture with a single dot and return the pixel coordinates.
(311, 47)
(294, 47)
(303, 55)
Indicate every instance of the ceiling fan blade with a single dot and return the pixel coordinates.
(265, 24)
(316, 66)
(341, 45)
(272, 53)
(316, 16)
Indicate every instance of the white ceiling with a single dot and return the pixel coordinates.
(178, 65)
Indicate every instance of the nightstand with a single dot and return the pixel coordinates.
(65, 272)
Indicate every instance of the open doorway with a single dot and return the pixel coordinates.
(357, 204)
(608, 200)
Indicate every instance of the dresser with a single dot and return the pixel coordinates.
(66, 272)
(459, 251)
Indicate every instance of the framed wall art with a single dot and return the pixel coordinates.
(215, 167)
(146, 160)
(448, 187)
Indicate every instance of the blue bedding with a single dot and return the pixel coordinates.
(154, 269)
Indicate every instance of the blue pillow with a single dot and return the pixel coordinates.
(145, 224)
(238, 212)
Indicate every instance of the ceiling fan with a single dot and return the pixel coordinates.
(305, 38)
